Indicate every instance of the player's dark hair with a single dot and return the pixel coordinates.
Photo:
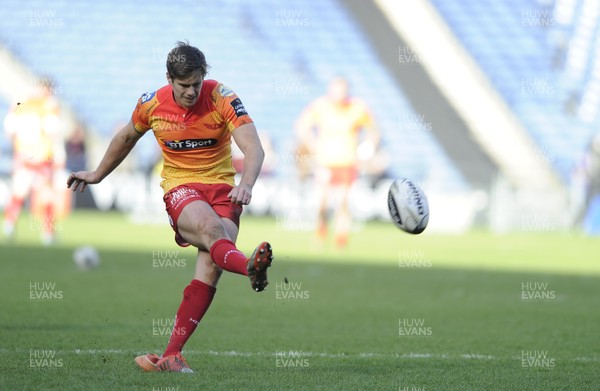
(184, 59)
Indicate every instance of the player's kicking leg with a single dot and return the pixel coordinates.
(199, 225)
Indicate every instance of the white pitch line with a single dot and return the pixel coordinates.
(233, 353)
(296, 354)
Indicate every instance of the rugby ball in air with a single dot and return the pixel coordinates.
(408, 206)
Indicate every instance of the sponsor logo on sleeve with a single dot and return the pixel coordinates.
(147, 96)
(238, 107)
(186, 145)
(225, 91)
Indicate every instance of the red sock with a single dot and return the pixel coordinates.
(196, 299)
(228, 257)
(48, 225)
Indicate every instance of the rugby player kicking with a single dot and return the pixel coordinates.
(193, 120)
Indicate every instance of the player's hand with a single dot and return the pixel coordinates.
(82, 178)
(240, 195)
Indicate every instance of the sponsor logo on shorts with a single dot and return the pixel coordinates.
(238, 107)
(181, 195)
(186, 145)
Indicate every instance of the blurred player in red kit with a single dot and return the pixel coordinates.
(329, 129)
(193, 120)
(34, 126)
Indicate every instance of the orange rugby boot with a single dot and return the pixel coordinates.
(148, 362)
(174, 363)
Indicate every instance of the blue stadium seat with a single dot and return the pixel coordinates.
(517, 57)
(104, 55)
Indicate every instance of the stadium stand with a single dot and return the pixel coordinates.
(278, 56)
(527, 50)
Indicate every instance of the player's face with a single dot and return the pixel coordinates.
(338, 90)
(187, 90)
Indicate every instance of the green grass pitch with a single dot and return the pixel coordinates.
(390, 312)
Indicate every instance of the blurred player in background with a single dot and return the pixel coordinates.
(193, 120)
(330, 130)
(35, 128)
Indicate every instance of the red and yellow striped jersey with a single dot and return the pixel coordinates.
(337, 128)
(195, 142)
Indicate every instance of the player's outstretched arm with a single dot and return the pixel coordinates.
(118, 149)
(247, 139)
